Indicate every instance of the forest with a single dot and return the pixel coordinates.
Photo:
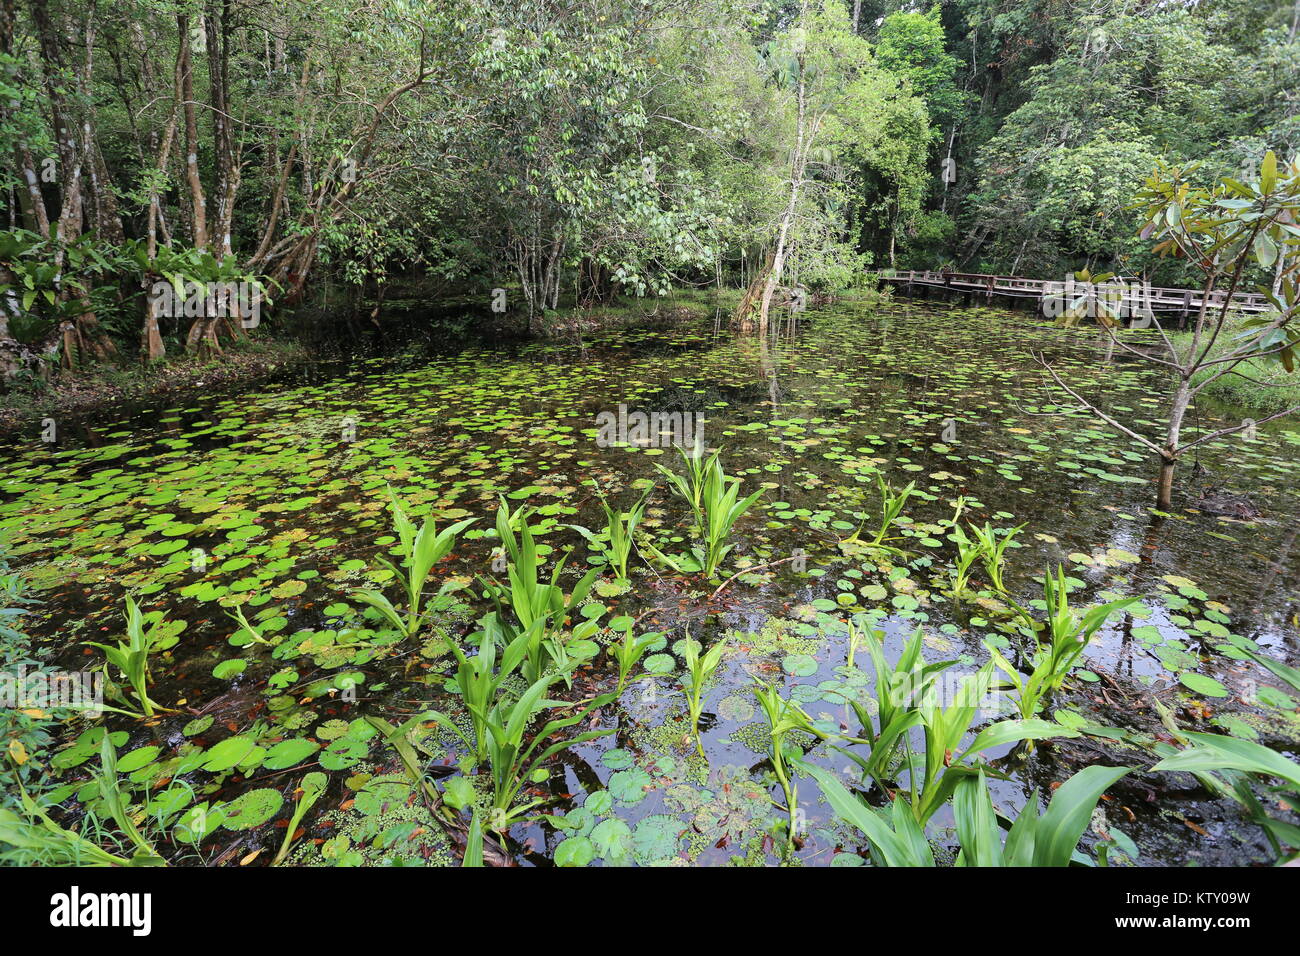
(574, 153)
(584, 433)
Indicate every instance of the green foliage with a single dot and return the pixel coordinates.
(630, 650)
(616, 541)
(992, 552)
(1032, 840)
(539, 609)
(891, 507)
(1240, 762)
(420, 550)
(1060, 642)
(131, 657)
(699, 670)
(512, 753)
(898, 692)
(312, 788)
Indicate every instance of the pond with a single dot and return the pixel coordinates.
(275, 503)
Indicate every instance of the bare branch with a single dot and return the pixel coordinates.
(1088, 406)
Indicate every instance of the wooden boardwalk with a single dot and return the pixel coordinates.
(1132, 296)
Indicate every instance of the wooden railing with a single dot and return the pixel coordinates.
(1153, 297)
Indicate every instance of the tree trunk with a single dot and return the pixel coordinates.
(151, 343)
(199, 204)
(798, 165)
(1169, 454)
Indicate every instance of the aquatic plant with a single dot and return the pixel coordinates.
(420, 550)
(113, 799)
(945, 761)
(690, 486)
(698, 672)
(774, 708)
(722, 507)
(481, 678)
(968, 552)
(131, 657)
(538, 608)
(628, 652)
(783, 717)
(1240, 762)
(1049, 839)
(512, 753)
(33, 837)
(616, 541)
(891, 506)
(1061, 641)
(312, 788)
(993, 552)
(898, 692)
(246, 628)
(474, 842)
(902, 844)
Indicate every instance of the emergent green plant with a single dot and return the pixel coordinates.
(480, 679)
(615, 542)
(131, 657)
(630, 651)
(313, 788)
(903, 844)
(944, 763)
(1206, 755)
(110, 793)
(891, 506)
(1060, 643)
(993, 552)
(698, 672)
(539, 609)
(968, 552)
(898, 692)
(1033, 840)
(512, 753)
(33, 837)
(722, 507)
(783, 717)
(690, 486)
(420, 550)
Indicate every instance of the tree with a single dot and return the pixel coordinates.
(1228, 231)
(839, 98)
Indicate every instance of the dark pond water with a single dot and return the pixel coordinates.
(275, 502)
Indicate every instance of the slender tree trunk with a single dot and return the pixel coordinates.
(1169, 454)
(797, 168)
(198, 203)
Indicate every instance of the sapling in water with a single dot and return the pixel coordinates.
(616, 541)
(722, 507)
(312, 789)
(539, 608)
(690, 486)
(968, 552)
(630, 650)
(783, 717)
